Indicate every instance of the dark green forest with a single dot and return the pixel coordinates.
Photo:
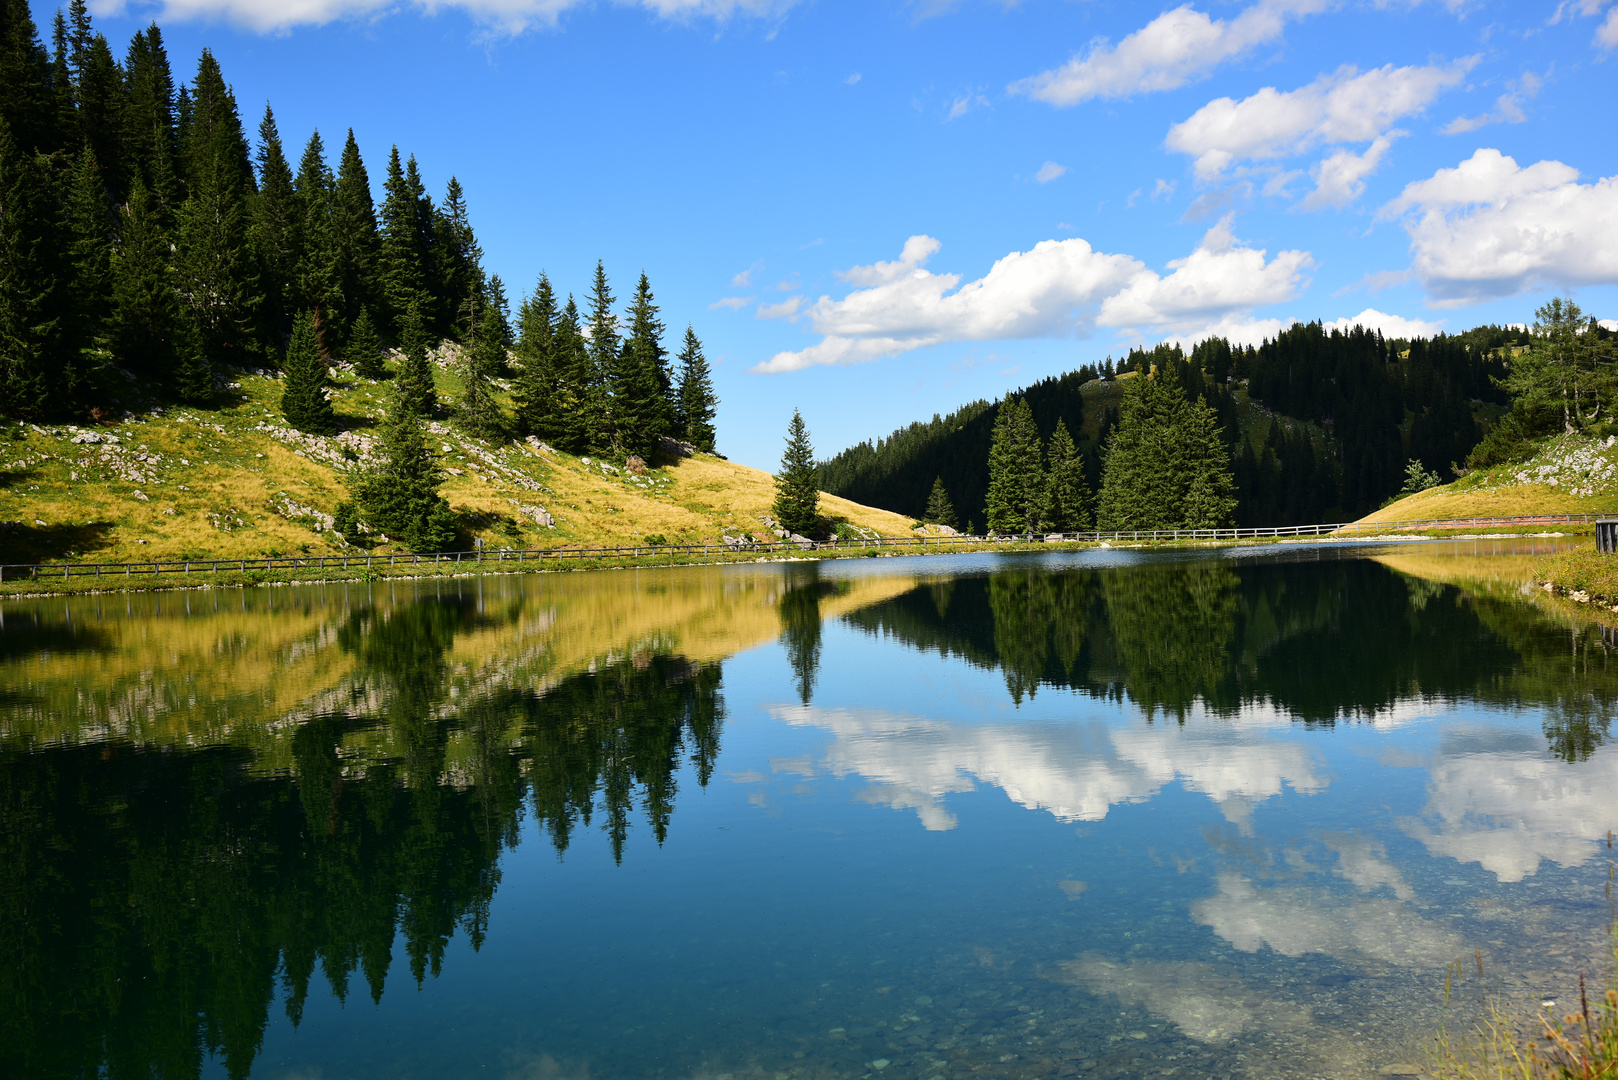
(1346, 413)
(148, 246)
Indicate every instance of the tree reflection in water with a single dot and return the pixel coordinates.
(155, 900)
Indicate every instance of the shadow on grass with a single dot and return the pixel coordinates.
(24, 542)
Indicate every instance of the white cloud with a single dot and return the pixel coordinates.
(852, 79)
(784, 310)
(1173, 49)
(1390, 326)
(1345, 107)
(744, 280)
(964, 104)
(1507, 107)
(900, 306)
(509, 16)
(1607, 32)
(1049, 171)
(1489, 228)
(730, 303)
(1058, 288)
(1340, 178)
(1217, 279)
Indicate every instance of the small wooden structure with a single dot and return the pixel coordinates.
(1607, 536)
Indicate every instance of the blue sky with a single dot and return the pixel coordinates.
(877, 211)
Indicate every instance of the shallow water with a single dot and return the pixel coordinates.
(1101, 814)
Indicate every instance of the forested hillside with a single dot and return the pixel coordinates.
(149, 250)
(1321, 425)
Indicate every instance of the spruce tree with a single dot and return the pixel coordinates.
(149, 134)
(697, 403)
(640, 403)
(413, 384)
(318, 282)
(460, 270)
(1067, 496)
(536, 390)
(576, 388)
(1016, 493)
(364, 348)
(303, 399)
(99, 91)
(483, 357)
(354, 239)
(87, 232)
(192, 378)
(25, 81)
(399, 250)
(401, 496)
(797, 495)
(277, 227)
(1167, 465)
(603, 353)
(145, 311)
(31, 328)
(940, 511)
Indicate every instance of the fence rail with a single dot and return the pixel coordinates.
(38, 571)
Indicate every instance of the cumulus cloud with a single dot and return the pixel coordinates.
(510, 16)
(730, 303)
(1490, 228)
(1340, 178)
(1217, 279)
(1049, 171)
(1173, 49)
(1390, 326)
(1347, 106)
(1058, 288)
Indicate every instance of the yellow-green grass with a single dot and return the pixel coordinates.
(218, 486)
(1516, 500)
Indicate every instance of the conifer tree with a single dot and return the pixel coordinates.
(576, 428)
(216, 272)
(940, 511)
(364, 348)
(640, 403)
(149, 136)
(478, 412)
(697, 403)
(319, 283)
(30, 316)
(1067, 496)
(145, 311)
(537, 387)
(399, 251)
(797, 495)
(98, 91)
(401, 496)
(87, 233)
(25, 81)
(193, 378)
(1016, 481)
(354, 243)
(303, 399)
(460, 271)
(277, 227)
(1167, 466)
(603, 353)
(413, 384)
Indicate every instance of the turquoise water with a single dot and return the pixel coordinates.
(1104, 814)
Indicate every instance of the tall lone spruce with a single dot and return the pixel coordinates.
(481, 360)
(401, 496)
(303, 400)
(536, 391)
(797, 495)
(413, 384)
(940, 511)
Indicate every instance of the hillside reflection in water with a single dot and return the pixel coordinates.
(1041, 816)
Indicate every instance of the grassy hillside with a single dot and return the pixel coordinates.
(234, 482)
(1571, 474)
